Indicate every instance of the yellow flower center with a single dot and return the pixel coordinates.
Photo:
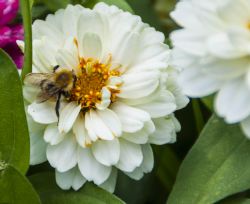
(248, 25)
(90, 79)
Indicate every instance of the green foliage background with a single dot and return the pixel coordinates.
(208, 164)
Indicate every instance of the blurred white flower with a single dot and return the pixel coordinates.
(213, 49)
(123, 99)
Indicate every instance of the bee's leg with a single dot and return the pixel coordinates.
(55, 68)
(58, 104)
(75, 78)
(66, 94)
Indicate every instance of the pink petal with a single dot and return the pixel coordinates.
(5, 36)
(15, 53)
(8, 10)
(10, 34)
(17, 32)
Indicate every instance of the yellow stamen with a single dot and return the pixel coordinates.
(90, 80)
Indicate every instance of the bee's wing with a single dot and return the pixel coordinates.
(35, 79)
(48, 90)
(43, 96)
(45, 81)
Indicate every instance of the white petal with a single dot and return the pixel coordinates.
(220, 46)
(81, 132)
(91, 169)
(20, 44)
(109, 184)
(239, 37)
(164, 132)
(137, 174)
(132, 119)
(232, 101)
(66, 59)
(147, 163)
(130, 156)
(180, 99)
(114, 81)
(98, 126)
(190, 21)
(106, 152)
(63, 156)
(139, 85)
(181, 59)
(151, 36)
(70, 179)
(163, 105)
(78, 181)
(111, 120)
(146, 166)
(106, 9)
(124, 51)
(43, 56)
(55, 20)
(90, 22)
(47, 29)
(37, 145)
(92, 46)
(148, 158)
(30, 93)
(70, 18)
(105, 101)
(197, 84)
(225, 69)
(190, 42)
(141, 136)
(176, 123)
(52, 134)
(37, 148)
(90, 126)
(149, 65)
(245, 125)
(242, 8)
(154, 53)
(43, 113)
(68, 116)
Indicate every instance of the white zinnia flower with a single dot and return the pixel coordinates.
(123, 99)
(214, 49)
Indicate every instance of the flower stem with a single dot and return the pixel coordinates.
(199, 120)
(26, 14)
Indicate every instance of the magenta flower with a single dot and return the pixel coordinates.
(10, 33)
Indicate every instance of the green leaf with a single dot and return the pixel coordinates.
(54, 5)
(15, 188)
(199, 120)
(236, 201)
(14, 142)
(50, 193)
(209, 102)
(167, 164)
(217, 166)
(26, 14)
(145, 9)
(122, 4)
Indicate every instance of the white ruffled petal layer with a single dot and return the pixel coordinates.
(91, 145)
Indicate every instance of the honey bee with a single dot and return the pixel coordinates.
(52, 85)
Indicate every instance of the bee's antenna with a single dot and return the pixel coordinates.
(55, 68)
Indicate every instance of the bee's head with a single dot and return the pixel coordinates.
(64, 78)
